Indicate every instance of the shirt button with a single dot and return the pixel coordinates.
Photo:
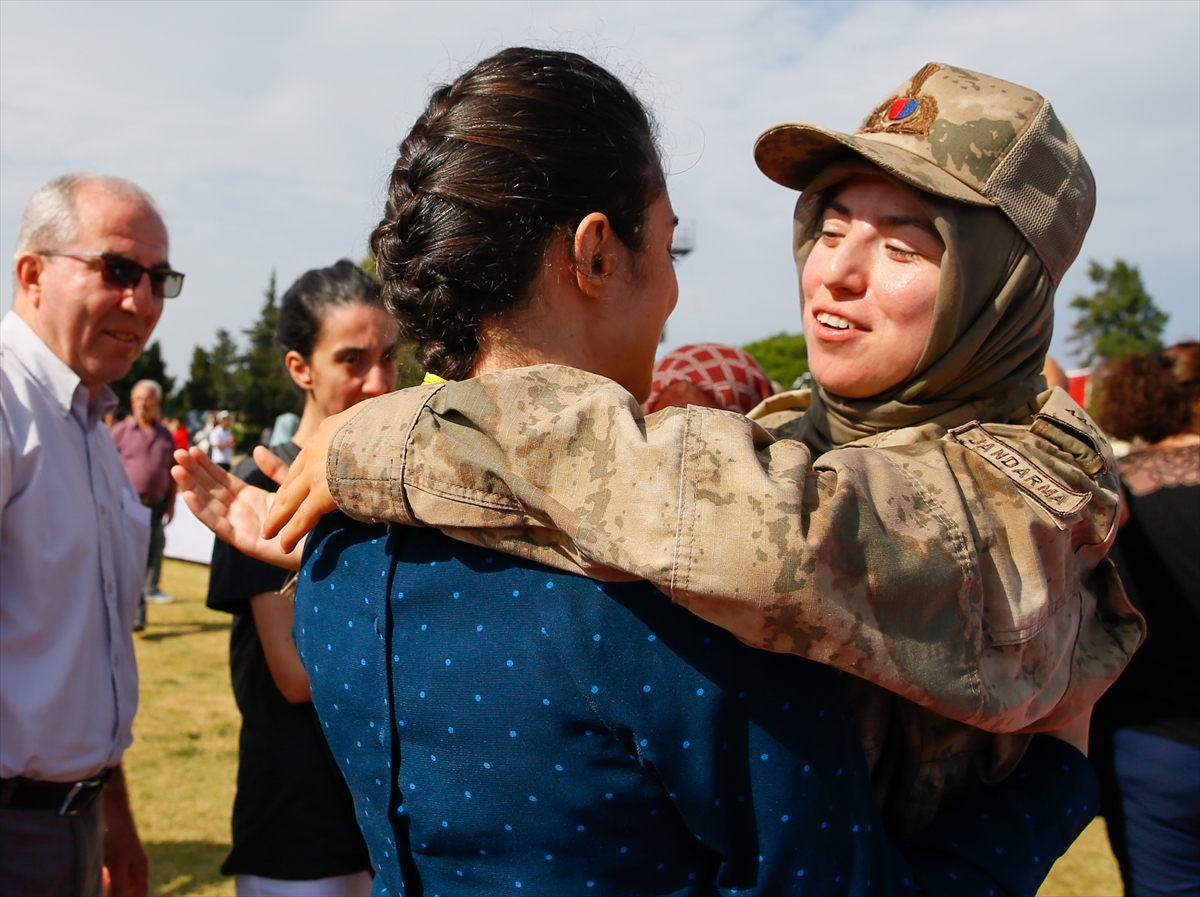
(103, 510)
(109, 588)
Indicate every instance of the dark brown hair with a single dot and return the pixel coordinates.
(1151, 396)
(517, 150)
(303, 307)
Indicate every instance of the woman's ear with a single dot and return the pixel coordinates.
(595, 247)
(299, 369)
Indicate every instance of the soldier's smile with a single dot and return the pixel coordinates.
(870, 284)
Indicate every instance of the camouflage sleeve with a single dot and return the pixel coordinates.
(964, 573)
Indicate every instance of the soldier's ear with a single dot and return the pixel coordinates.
(593, 250)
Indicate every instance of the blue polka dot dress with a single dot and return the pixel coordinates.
(510, 729)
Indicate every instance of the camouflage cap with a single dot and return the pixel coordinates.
(968, 137)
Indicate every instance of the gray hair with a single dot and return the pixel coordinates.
(150, 384)
(51, 220)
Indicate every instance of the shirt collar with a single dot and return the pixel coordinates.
(52, 373)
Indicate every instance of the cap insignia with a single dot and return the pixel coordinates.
(910, 113)
(902, 108)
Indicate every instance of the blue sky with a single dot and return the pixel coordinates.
(266, 130)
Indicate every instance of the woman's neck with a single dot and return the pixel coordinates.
(310, 419)
(544, 331)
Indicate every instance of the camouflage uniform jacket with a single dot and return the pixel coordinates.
(962, 570)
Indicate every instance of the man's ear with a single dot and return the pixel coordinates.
(594, 256)
(299, 369)
(27, 271)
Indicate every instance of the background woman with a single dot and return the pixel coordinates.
(1146, 737)
(293, 819)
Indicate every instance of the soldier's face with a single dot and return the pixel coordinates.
(869, 288)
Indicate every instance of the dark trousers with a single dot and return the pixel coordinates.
(1150, 788)
(43, 854)
(158, 541)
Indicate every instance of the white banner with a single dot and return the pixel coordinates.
(187, 538)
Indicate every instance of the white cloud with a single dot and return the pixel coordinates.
(266, 130)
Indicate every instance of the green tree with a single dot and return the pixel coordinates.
(227, 379)
(1119, 318)
(268, 390)
(783, 356)
(148, 366)
(199, 392)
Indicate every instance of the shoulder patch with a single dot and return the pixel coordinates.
(1033, 479)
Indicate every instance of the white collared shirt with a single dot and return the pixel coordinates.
(73, 543)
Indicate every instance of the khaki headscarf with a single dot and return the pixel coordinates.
(991, 324)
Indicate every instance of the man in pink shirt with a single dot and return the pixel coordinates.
(146, 448)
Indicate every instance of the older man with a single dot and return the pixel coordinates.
(147, 450)
(90, 276)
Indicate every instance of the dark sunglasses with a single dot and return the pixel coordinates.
(124, 273)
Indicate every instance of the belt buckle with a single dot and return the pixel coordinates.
(65, 809)
(96, 785)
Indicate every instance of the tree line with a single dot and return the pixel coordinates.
(1118, 318)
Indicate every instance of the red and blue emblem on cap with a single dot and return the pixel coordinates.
(902, 109)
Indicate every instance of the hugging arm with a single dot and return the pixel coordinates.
(923, 567)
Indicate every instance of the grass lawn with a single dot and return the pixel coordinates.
(183, 762)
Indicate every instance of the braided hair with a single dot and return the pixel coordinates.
(516, 151)
(303, 307)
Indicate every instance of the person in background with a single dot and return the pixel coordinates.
(178, 432)
(1145, 738)
(201, 437)
(221, 441)
(147, 450)
(709, 375)
(293, 818)
(1055, 375)
(90, 274)
(283, 430)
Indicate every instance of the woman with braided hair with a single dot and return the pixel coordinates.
(506, 723)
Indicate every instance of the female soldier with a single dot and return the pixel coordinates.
(939, 524)
(650, 751)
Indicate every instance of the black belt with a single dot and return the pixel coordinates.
(65, 798)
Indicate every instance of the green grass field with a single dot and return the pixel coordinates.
(183, 762)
